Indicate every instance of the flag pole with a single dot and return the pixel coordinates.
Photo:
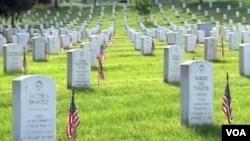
(222, 48)
(227, 79)
(98, 78)
(72, 100)
(24, 62)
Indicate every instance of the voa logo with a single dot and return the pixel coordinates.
(236, 132)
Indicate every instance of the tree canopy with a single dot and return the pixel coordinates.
(13, 8)
(143, 7)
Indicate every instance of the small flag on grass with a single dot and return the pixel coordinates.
(226, 105)
(73, 119)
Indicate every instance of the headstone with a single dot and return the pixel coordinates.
(190, 43)
(188, 11)
(89, 46)
(79, 68)
(230, 22)
(240, 4)
(138, 43)
(173, 57)
(23, 40)
(217, 10)
(53, 45)
(224, 16)
(199, 8)
(147, 47)
(244, 37)
(233, 41)
(248, 10)
(237, 14)
(212, 19)
(193, 17)
(210, 51)
(40, 49)
(205, 27)
(3, 41)
(170, 38)
(228, 7)
(205, 13)
(12, 58)
(34, 108)
(65, 41)
(210, 5)
(201, 36)
(243, 20)
(197, 93)
(95, 44)
(244, 59)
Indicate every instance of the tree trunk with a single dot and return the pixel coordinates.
(13, 18)
(94, 3)
(56, 3)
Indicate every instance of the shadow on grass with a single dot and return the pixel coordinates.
(149, 55)
(129, 55)
(220, 61)
(208, 131)
(13, 74)
(80, 90)
(172, 84)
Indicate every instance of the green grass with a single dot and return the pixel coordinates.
(133, 104)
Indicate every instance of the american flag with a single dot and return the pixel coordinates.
(226, 105)
(24, 61)
(153, 46)
(222, 47)
(46, 52)
(70, 42)
(101, 71)
(197, 43)
(73, 119)
(102, 53)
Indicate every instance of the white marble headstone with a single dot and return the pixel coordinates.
(147, 47)
(3, 41)
(197, 93)
(233, 41)
(53, 45)
(190, 42)
(89, 45)
(173, 57)
(34, 108)
(79, 68)
(244, 59)
(12, 58)
(40, 49)
(210, 49)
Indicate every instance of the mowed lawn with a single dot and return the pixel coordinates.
(133, 104)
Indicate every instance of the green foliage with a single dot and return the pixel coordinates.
(143, 7)
(13, 8)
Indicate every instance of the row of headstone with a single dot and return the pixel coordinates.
(141, 42)
(80, 61)
(41, 46)
(35, 96)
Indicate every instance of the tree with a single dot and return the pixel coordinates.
(94, 3)
(143, 7)
(13, 8)
(56, 3)
(201, 1)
